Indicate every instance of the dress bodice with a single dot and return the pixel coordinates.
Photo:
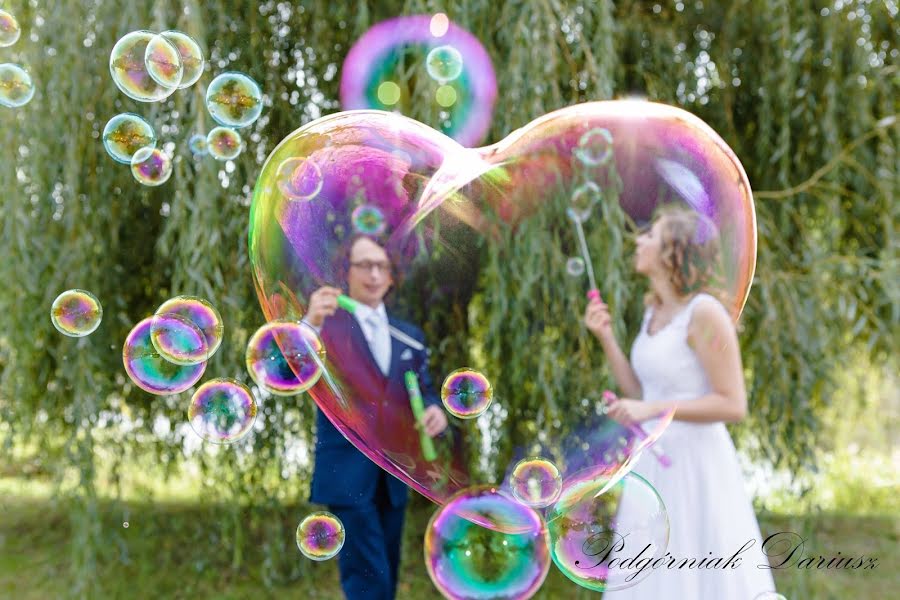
(665, 364)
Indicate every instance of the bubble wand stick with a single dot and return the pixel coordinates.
(415, 400)
(594, 292)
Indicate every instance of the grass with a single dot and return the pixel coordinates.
(172, 550)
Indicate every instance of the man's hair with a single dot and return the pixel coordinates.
(343, 266)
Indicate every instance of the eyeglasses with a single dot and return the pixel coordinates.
(368, 265)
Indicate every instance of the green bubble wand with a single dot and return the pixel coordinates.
(418, 409)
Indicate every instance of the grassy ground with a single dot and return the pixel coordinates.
(169, 551)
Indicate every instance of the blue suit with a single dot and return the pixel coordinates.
(370, 502)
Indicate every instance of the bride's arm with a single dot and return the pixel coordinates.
(712, 336)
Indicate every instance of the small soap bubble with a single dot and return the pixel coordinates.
(16, 87)
(466, 393)
(575, 266)
(368, 219)
(191, 56)
(536, 481)
(9, 29)
(163, 62)
(224, 143)
(583, 200)
(128, 68)
(234, 100)
(320, 536)
(151, 166)
(202, 314)
(125, 134)
(197, 145)
(125, 524)
(178, 340)
(444, 63)
(76, 313)
(222, 411)
(285, 358)
(595, 147)
(299, 179)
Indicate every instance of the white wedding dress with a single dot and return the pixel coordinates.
(710, 512)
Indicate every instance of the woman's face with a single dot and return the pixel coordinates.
(647, 252)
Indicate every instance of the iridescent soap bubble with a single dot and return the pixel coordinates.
(444, 205)
(299, 179)
(444, 63)
(536, 481)
(234, 100)
(575, 266)
(224, 143)
(125, 134)
(594, 527)
(163, 62)
(368, 219)
(191, 54)
(151, 166)
(76, 313)
(466, 393)
(595, 147)
(410, 62)
(201, 313)
(468, 556)
(222, 411)
(320, 536)
(178, 339)
(583, 200)
(9, 29)
(150, 371)
(16, 87)
(129, 69)
(285, 357)
(197, 145)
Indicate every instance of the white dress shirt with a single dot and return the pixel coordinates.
(375, 324)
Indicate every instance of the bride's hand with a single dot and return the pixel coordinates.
(597, 319)
(628, 411)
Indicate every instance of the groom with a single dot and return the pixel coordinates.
(370, 502)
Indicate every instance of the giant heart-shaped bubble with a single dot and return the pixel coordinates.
(431, 201)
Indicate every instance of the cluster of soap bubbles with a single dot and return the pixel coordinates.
(167, 353)
(285, 357)
(148, 67)
(16, 86)
(233, 100)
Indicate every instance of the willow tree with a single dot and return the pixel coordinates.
(805, 93)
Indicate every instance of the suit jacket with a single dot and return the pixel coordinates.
(343, 475)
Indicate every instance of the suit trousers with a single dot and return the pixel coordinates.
(370, 558)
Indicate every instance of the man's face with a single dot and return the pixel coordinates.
(370, 272)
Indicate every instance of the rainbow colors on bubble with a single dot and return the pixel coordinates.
(223, 143)
(163, 62)
(76, 313)
(536, 481)
(285, 357)
(150, 371)
(234, 100)
(468, 556)
(191, 55)
(222, 411)
(151, 166)
(9, 29)
(594, 527)
(466, 393)
(178, 340)
(16, 86)
(125, 134)
(200, 313)
(448, 62)
(320, 536)
(129, 71)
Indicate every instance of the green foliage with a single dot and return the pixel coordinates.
(800, 92)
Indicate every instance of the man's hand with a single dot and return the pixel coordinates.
(434, 420)
(322, 303)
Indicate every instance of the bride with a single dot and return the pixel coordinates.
(686, 359)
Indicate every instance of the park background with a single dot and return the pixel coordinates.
(805, 93)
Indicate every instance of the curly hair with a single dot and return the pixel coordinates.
(342, 265)
(690, 251)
